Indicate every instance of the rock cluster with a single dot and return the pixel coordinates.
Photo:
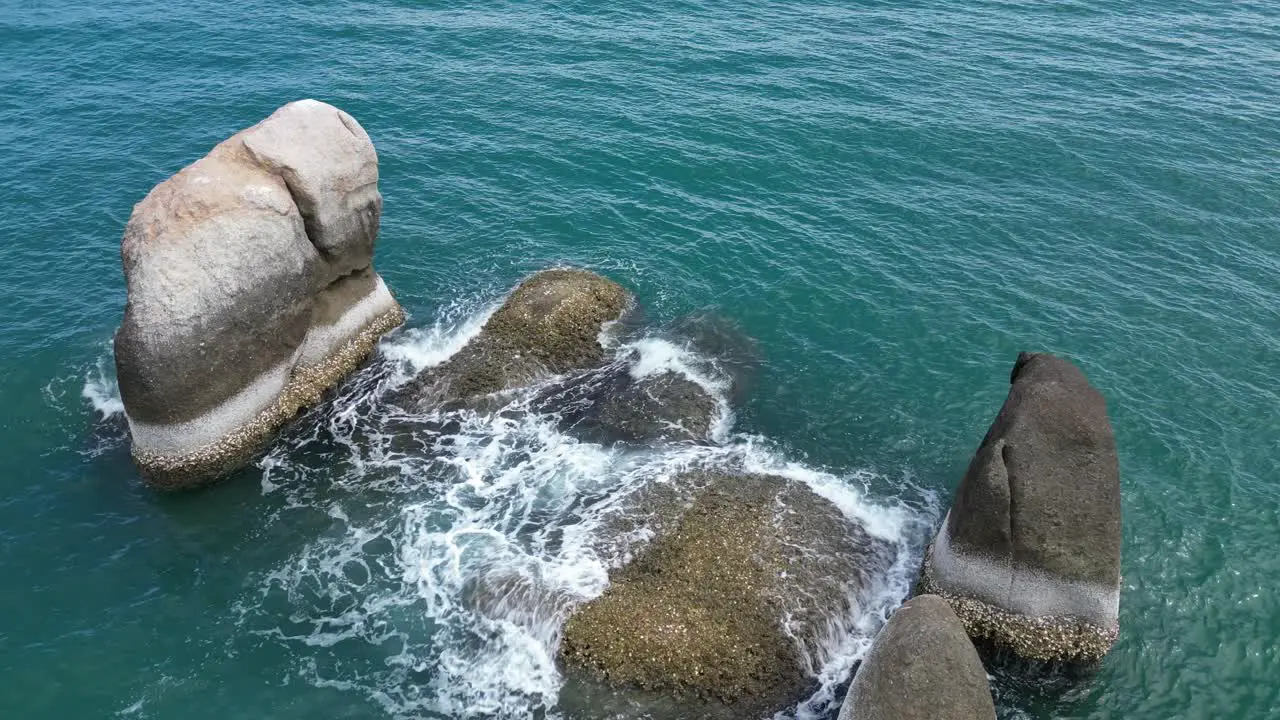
(551, 325)
(1029, 555)
(250, 291)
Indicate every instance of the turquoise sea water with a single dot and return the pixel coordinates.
(892, 198)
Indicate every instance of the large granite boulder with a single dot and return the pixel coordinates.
(727, 607)
(550, 324)
(920, 667)
(1029, 555)
(250, 291)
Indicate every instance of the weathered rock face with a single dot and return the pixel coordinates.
(550, 324)
(250, 291)
(1029, 555)
(699, 614)
(921, 667)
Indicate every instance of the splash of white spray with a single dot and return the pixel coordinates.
(102, 391)
(421, 348)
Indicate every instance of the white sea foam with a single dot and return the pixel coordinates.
(421, 348)
(102, 392)
(448, 569)
(656, 356)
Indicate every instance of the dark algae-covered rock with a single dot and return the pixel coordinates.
(1029, 555)
(699, 613)
(550, 324)
(666, 406)
(611, 405)
(921, 666)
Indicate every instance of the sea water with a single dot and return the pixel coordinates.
(891, 199)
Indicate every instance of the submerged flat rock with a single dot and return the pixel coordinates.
(611, 404)
(666, 406)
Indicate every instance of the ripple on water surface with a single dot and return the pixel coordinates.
(893, 198)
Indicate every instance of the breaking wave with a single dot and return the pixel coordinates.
(102, 392)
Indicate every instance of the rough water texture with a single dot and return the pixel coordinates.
(892, 199)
